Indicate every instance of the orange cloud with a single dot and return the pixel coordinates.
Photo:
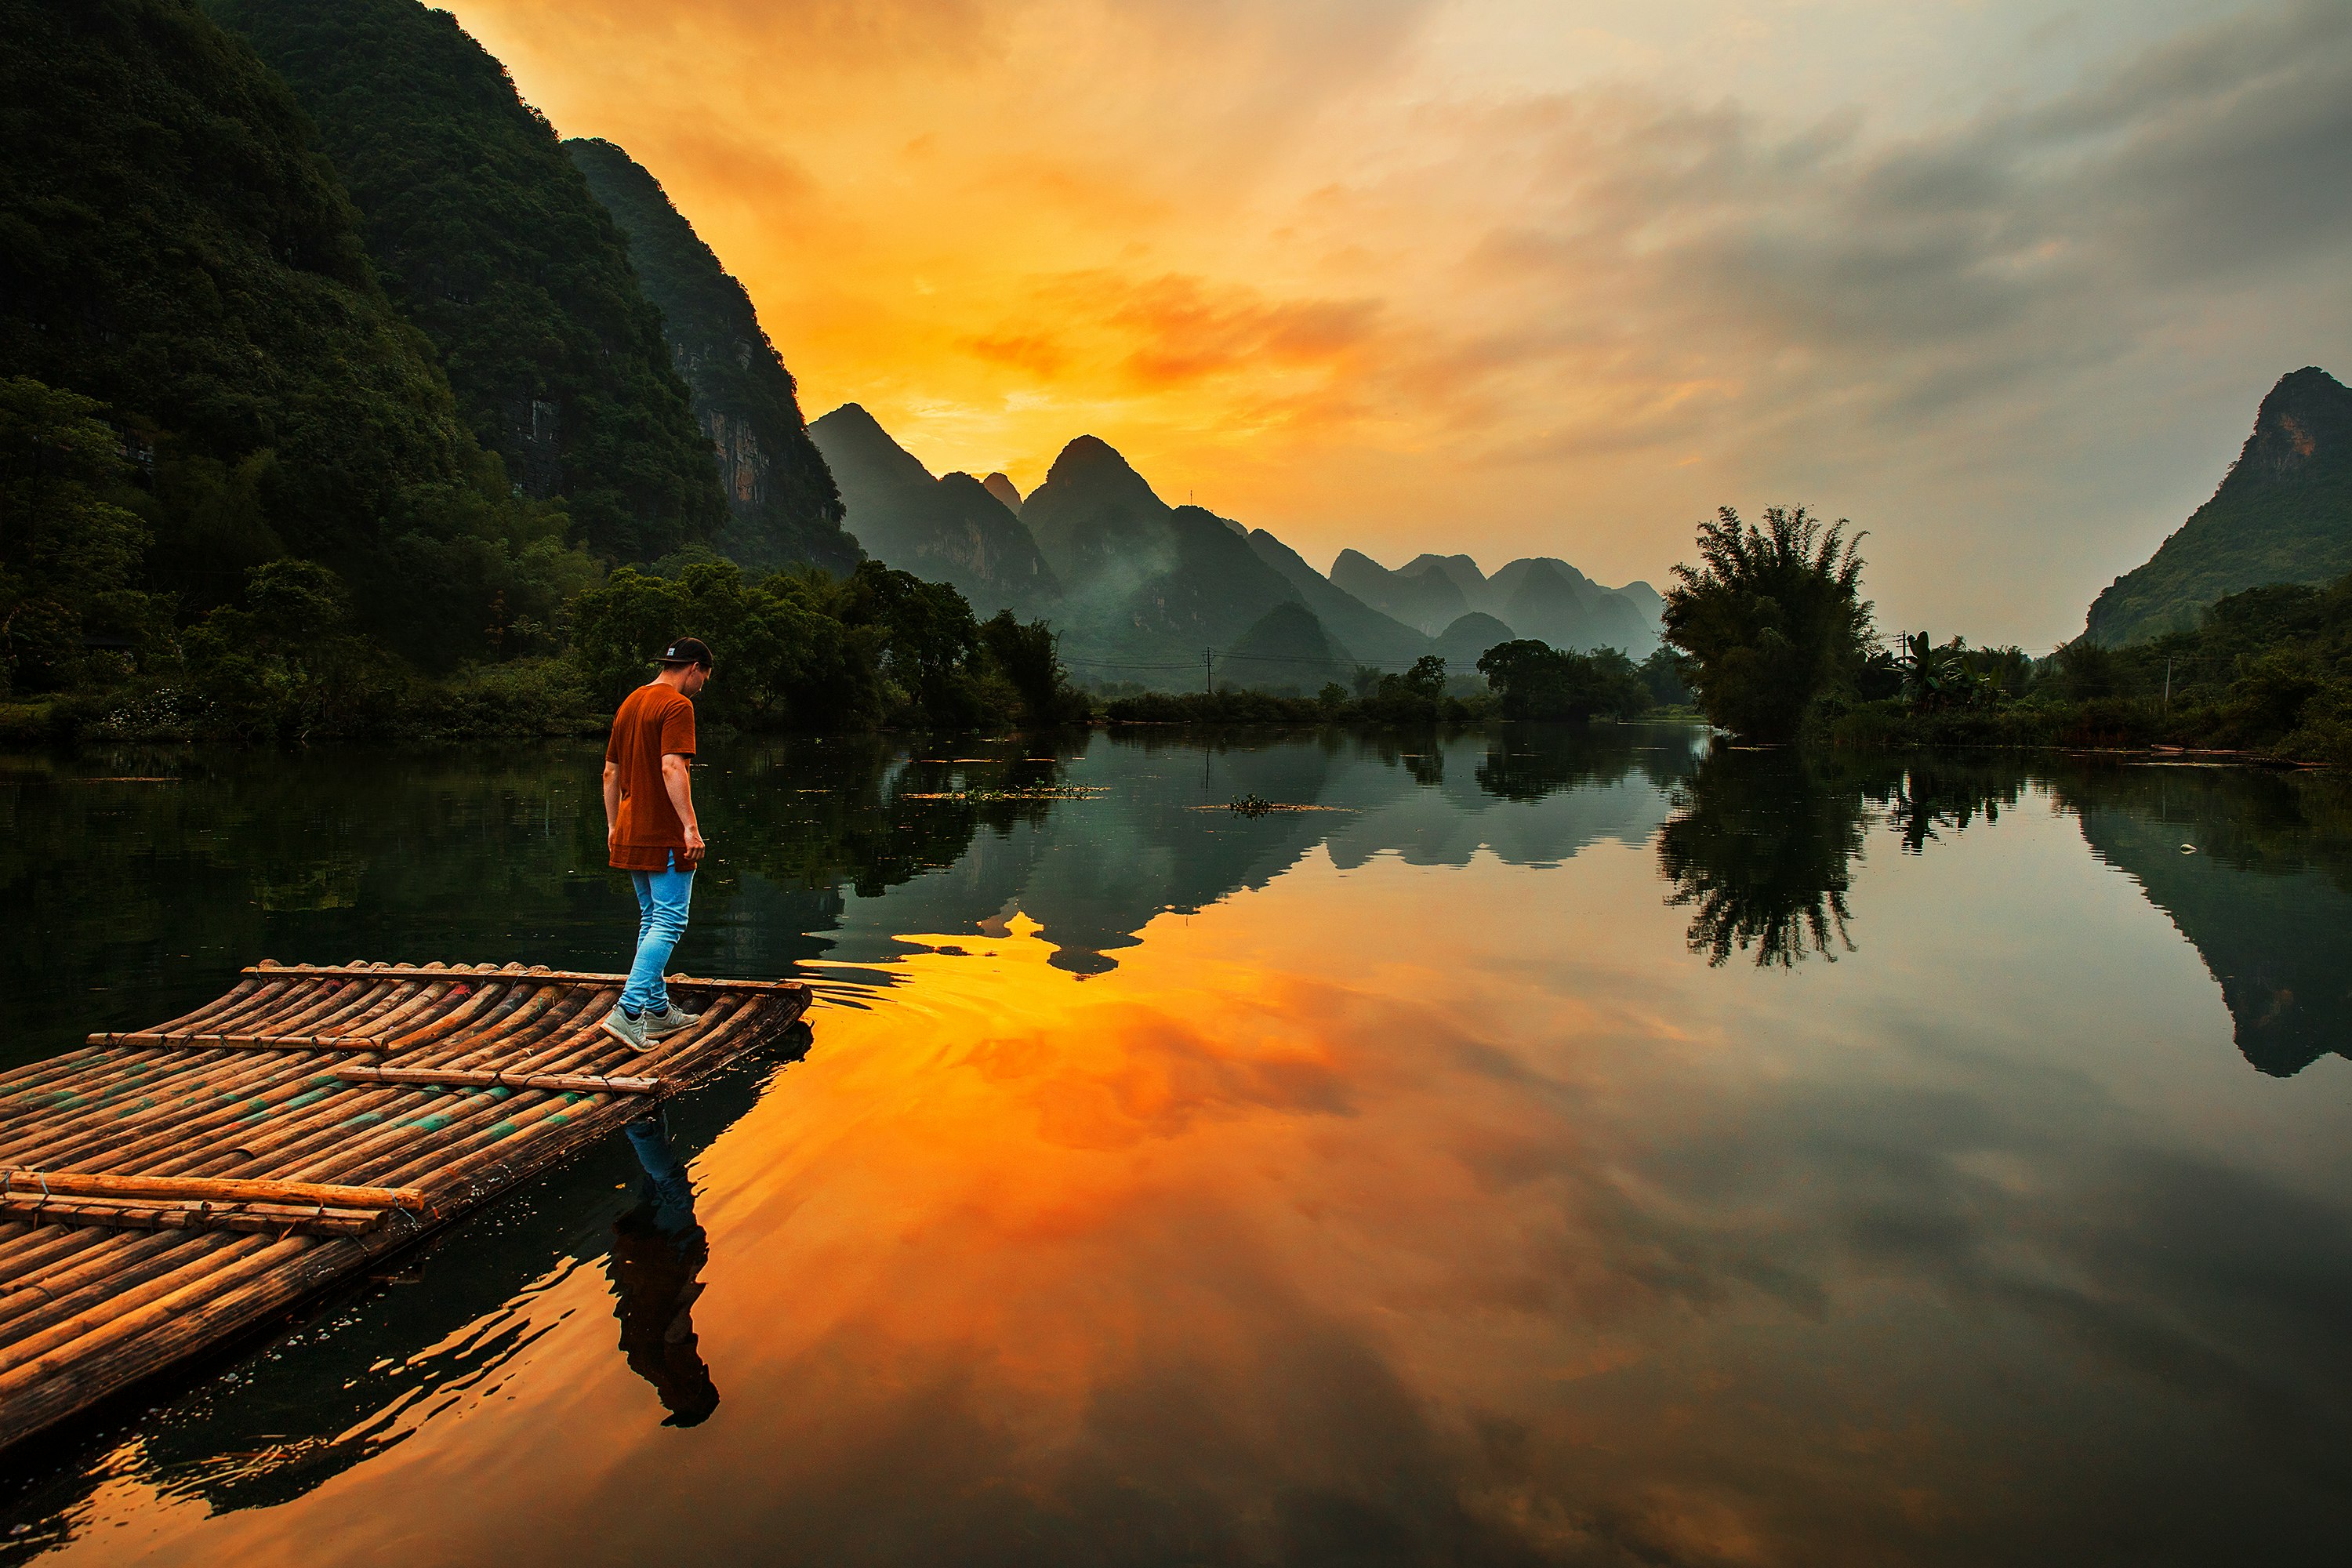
(1519, 277)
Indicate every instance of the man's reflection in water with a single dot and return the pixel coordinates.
(657, 1252)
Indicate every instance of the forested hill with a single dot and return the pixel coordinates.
(173, 245)
(490, 241)
(2284, 514)
(173, 242)
(781, 503)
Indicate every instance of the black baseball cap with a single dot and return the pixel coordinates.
(687, 650)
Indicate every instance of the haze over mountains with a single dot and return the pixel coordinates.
(1140, 589)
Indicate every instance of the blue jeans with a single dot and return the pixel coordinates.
(669, 1190)
(662, 899)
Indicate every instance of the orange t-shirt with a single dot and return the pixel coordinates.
(655, 720)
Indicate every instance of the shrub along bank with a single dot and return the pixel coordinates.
(2268, 672)
(289, 663)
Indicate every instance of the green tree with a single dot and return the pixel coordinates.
(783, 504)
(289, 663)
(1535, 681)
(69, 558)
(1662, 673)
(926, 641)
(1027, 655)
(1934, 677)
(780, 661)
(1771, 619)
(2086, 671)
(174, 244)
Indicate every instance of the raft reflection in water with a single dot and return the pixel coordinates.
(656, 1268)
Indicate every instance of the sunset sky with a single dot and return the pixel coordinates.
(2001, 282)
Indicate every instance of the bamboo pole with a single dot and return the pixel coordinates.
(325, 1139)
(218, 1013)
(469, 1133)
(75, 1314)
(206, 1104)
(200, 1120)
(174, 1334)
(517, 1014)
(488, 1141)
(197, 1018)
(552, 976)
(198, 1215)
(341, 1006)
(480, 1001)
(180, 1115)
(210, 1105)
(245, 1042)
(80, 1183)
(327, 1125)
(38, 1251)
(571, 1083)
(32, 1359)
(90, 1266)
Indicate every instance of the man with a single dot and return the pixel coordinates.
(651, 833)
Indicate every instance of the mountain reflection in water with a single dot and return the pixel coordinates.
(1480, 1168)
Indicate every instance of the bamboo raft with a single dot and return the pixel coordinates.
(165, 1190)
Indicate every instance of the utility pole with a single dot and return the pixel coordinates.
(2168, 683)
(1209, 670)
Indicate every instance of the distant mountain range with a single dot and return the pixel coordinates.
(1140, 590)
(1537, 596)
(2282, 514)
(945, 529)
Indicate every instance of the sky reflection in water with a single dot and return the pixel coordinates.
(1581, 1151)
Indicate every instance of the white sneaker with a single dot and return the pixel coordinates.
(630, 1032)
(661, 1025)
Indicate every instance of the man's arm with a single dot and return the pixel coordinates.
(681, 797)
(611, 803)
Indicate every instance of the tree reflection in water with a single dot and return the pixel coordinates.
(1761, 842)
(1929, 794)
(1759, 845)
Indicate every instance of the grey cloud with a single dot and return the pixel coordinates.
(2050, 237)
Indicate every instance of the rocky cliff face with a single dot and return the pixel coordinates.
(782, 504)
(2282, 514)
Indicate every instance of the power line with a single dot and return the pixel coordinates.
(1257, 657)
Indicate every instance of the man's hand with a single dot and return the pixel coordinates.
(675, 779)
(612, 806)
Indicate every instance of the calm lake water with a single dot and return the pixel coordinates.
(1608, 1150)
